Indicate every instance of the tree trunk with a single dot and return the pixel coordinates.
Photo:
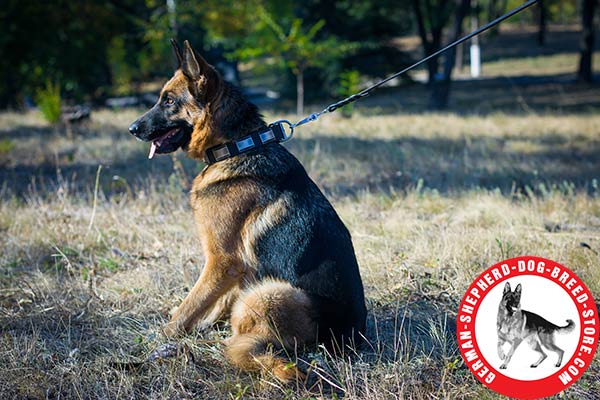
(436, 44)
(460, 57)
(300, 93)
(587, 41)
(541, 37)
(435, 18)
(441, 90)
(423, 35)
(495, 8)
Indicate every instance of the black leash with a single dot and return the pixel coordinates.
(276, 133)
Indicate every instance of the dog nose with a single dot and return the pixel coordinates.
(134, 128)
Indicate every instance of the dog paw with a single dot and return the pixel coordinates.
(533, 366)
(204, 326)
(503, 366)
(173, 329)
(557, 364)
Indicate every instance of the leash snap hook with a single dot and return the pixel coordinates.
(282, 122)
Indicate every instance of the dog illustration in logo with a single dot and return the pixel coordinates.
(516, 325)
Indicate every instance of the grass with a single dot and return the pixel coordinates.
(88, 274)
(553, 64)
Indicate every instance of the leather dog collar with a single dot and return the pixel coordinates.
(274, 133)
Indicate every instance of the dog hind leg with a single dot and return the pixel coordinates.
(269, 319)
(548, 341)
(535, 345)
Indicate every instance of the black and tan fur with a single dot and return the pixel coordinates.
(279, 260)
(516, 325)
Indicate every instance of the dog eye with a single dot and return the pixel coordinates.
(169, 101)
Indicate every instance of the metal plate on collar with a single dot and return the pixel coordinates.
(221, 153)
(267, 136)
(245, 144)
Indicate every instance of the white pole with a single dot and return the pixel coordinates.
(475, 50)
(475, 60)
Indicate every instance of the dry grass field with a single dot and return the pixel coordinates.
(93, 259)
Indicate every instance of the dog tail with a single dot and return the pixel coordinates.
(567, 328)
(252, 353)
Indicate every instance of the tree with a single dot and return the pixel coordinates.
(432, 16)
(61, 42)
(494, 9)
(441, 88)
(587, 41)
(91, 48)
(542, 11)
(431, 20)
(297, 48)
(165, 20)
(376, 24)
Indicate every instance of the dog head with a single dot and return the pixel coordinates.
(511, 300)
(181, 116)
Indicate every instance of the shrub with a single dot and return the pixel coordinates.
(48, 101)
(349, 85)
(6, 146)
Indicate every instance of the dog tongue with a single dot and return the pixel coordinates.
(152, 151)
(158, 142)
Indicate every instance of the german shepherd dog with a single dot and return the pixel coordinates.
(515, 325)
(279, 261)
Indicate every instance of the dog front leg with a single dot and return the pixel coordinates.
(219, 311)
(500, 349)
(511, 351)
(218, 277)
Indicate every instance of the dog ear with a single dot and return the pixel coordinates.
(206, 79)
(506, 288)
(518, 292)
(193, 65)
(177, 51)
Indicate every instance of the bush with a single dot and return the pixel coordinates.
(349, 85)
(121, 71)
(48, 101)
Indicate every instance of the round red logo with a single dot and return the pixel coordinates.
(527, 327)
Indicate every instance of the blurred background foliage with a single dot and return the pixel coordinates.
(94, 49)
